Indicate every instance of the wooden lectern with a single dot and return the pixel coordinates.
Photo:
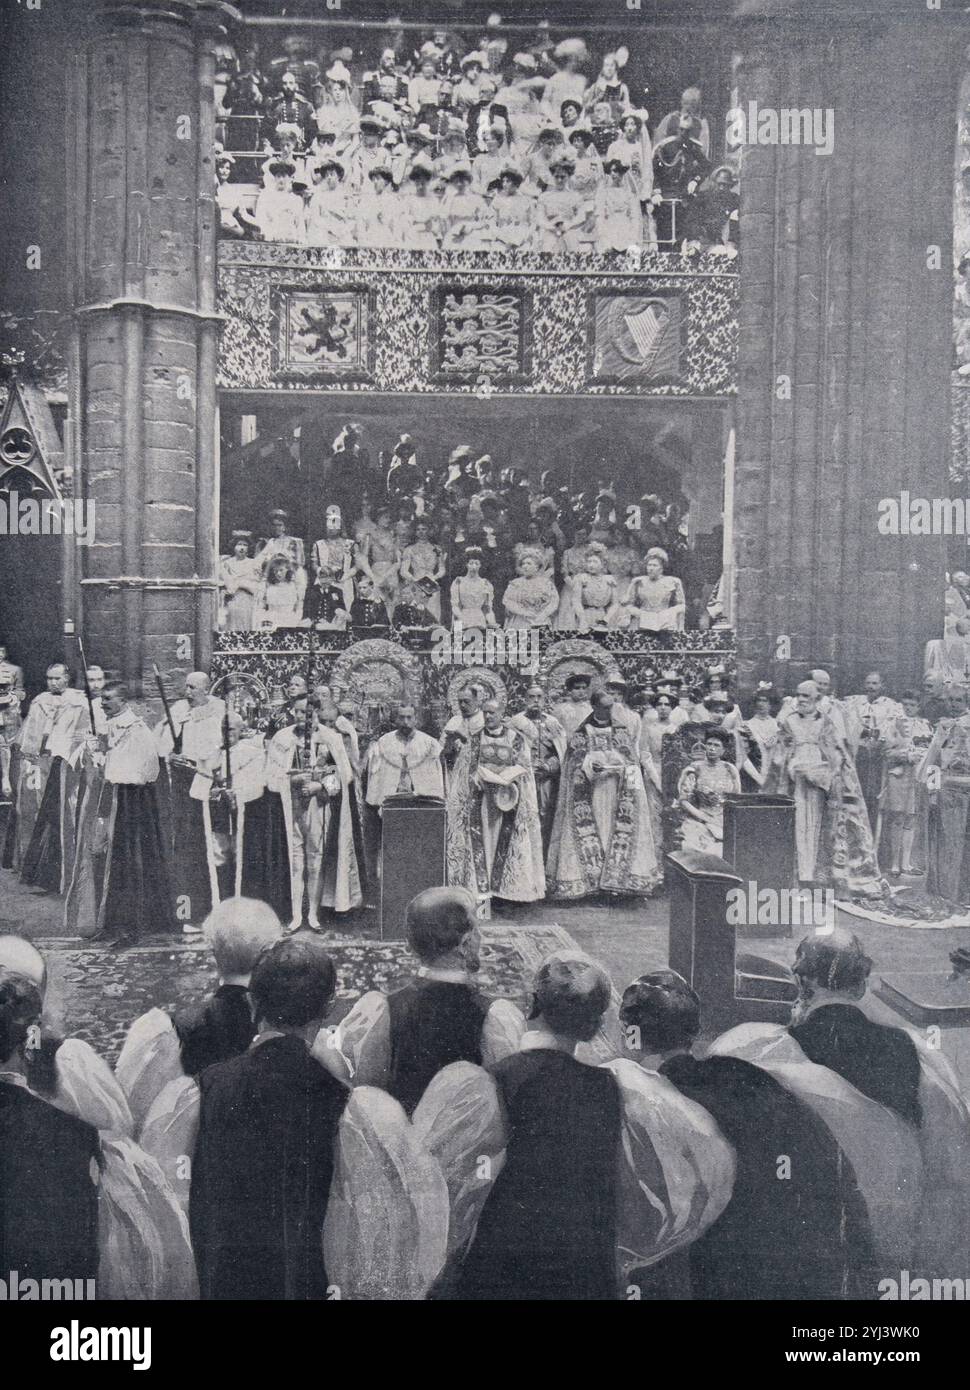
(412, 856)
(759, 844)
(732, 988)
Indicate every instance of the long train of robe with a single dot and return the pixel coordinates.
(120, 885)
(883, 1149)
(579, 862)
(516, 870)
(49, 856)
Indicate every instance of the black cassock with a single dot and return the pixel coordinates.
(216, 1030)
(135, 889)
(880, 1061)
(548, 1228)
(433, 1023)
(48, 1190)
(797, 1236)
(43, 859)
(262, 1172)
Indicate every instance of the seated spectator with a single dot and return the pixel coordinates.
(513, 213)
(237, 931)
(264, 1158)
(368, 610)
(279, 597)
(452, 149)
(285, 145)
(370, 154)
(425, 88)
(548, 1226)
(712, 216)
(329, 217)
(467, 92)
(292, 108)
(485, 113)
(696, 126)
(602, 127)
(378, 211)
(609, 87)
(880, 1061)
(279, 211)
(464, 213)
(335, 110)
(570, 81)
(235, 219)
(488, 165)
(619, 223)
(50, 1170)
(632, 146)
(569, 114)
(422, 211)
(538, 166)
(561, 212)
(531, 599)
(804, 1237)
(401, 1041)
(373, 83)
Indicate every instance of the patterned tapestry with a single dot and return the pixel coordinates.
(297, 318)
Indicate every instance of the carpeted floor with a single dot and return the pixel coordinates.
(95, 993)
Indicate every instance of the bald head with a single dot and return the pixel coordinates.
(18, 956)
(237, 932)
(823, 680)
(196, 687)
(570, 995)
(439, 922)
(833, 962)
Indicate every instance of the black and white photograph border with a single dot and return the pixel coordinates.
(485, 654)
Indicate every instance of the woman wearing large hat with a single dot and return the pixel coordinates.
(329, 218)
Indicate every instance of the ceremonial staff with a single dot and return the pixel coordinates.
(87, 683)
(168, 713)
(230, 801)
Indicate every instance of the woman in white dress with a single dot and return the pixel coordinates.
(619, 223)
(423, 565)
(239, 577)
(472, 597)
(656, 600)
(329, 217)
(531, 599)
(279, 602)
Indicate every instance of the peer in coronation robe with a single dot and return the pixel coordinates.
(493, 842)
(120, 887)
(812, 762)
(602, 837)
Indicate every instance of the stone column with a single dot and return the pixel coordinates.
(144, 238)
(841, 296)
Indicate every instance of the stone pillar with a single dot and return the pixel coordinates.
(841, 295)
(144, 254)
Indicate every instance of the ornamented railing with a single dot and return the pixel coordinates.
(647, 324)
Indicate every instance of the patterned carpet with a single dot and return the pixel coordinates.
(95, 993)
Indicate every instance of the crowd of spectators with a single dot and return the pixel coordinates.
(480, 146)
(406, 543)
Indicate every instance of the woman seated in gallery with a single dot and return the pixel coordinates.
(531, 599)
(423, 565)
(655, 601)
(279, 600)
(330, 216)
(595, 605)
(472, 596)
(513, 213)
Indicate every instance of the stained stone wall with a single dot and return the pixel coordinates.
(844, 296)
(143, 369)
